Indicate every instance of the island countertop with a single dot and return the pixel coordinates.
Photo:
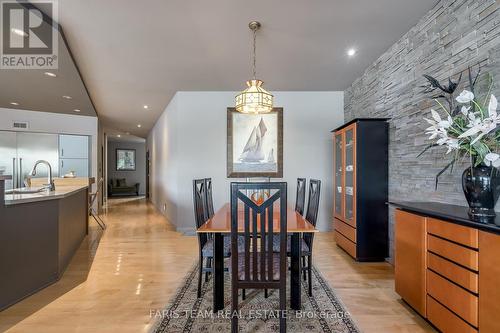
(451, 213)
(60, 193)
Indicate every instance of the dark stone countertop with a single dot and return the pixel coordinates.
(450, 213)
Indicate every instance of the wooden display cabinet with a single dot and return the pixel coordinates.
(361, 188)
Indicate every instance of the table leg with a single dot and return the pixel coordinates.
(295, 270)
(218, 267)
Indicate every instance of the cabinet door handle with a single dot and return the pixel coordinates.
(14, 173)
(20, 177)
(62, 151)
(62, 164)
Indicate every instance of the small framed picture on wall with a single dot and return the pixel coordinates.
(125, 159)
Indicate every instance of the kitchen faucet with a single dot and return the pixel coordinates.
(51, 186)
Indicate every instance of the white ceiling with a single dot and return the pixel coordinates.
(133, 53)
(120, 136)
(33, 90)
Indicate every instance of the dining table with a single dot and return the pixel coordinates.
(220, 225)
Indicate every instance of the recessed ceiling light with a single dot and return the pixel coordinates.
(128, 133)
(67, 97)
(50, 74)
(351, 52)
(14, 103)
(77, 110)
(119, 136)
(139, 125)
(146, 107)
(19, 32)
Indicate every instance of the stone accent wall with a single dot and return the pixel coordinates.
(451, 37)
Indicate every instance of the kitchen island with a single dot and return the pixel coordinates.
(39, 234)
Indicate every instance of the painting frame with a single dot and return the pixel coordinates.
(118, 158)
(231, 172)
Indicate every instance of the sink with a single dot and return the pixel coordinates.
(25, 190)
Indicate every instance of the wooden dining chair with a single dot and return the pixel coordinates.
(92, 198)
(311, 217)
(301, 196)
(258, 266)
(209, 198)
(307, 240)
(205, 242)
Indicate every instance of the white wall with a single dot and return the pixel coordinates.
(162, 145)
(47, 122)
(189, 141)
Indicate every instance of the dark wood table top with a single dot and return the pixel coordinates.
(221, 222)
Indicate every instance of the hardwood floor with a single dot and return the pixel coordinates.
(366, 289)
(137, 264)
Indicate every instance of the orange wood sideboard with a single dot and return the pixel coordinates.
(410, 259)
(448, 273)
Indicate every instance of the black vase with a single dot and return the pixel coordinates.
(481, 186)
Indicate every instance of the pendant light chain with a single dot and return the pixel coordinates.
(254, 54)
(254, 99)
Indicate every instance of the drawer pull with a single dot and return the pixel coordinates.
(454, 252)
(445, 320)
(458, 300)
(346, 230)
(454, 232)
(453, 272)
(345, 244)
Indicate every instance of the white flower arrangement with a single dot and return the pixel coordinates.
(469, 129)
(451, 132)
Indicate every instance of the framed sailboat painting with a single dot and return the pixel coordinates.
(255, 144)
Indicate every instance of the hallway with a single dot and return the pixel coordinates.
(137, 264)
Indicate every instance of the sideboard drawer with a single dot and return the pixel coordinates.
(455, 273)
(458, 300)
(454, 252)
(346, 244)
(345, 229)
(445, 320)
(454, 232)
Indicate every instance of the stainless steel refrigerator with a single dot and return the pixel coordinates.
(19, 151)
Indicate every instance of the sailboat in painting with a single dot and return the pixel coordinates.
(252, 152)
(270, 157)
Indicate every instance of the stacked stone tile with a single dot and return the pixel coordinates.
(448, 39)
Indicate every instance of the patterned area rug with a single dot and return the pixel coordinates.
(323, 312)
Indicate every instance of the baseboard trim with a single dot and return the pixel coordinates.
(187, 231)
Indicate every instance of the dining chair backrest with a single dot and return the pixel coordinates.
(199, 200)
(301, 196)
(209, 198)
(200, 209)
(258, 219)
(94, 195)
(312, 207)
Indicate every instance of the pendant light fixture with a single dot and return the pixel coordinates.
(254, 99)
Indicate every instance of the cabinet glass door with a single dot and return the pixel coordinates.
(338, 174)
(350, 174)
